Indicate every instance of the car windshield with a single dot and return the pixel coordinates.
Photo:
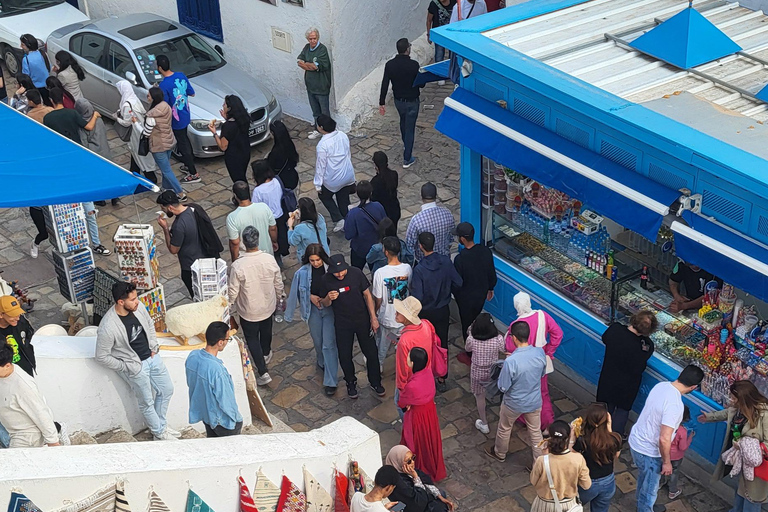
(11, 7)
(188, 54)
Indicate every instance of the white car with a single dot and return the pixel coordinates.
(36, 17)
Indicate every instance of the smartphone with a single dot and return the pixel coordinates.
(397, 508)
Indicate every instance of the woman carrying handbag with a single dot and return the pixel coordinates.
(558, 475)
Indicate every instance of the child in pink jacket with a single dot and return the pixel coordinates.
(680, 443)
(551, 332)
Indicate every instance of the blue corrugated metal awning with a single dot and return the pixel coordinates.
(39, 167)
(432, 73)
(723, 252)
(620, 194)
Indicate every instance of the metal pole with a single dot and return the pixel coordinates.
(84, 310)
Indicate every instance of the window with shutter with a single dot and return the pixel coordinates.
(202, 16)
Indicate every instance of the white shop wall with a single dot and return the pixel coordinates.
(50, 477)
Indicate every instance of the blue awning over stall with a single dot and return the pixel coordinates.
(620, 194)
(39, 167)
(723, 252)
(432, 73)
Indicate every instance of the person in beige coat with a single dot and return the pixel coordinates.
(747, 416)
(157, 127)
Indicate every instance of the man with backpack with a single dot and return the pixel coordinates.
(192, 235)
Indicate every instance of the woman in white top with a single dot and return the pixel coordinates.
(132, 113)
(69, 73)
(334, 174)
(269, 190)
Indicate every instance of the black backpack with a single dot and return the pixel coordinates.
(209, 239)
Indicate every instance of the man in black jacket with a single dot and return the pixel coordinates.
(16, 331)
(402, 71)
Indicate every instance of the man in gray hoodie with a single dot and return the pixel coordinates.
(126, 343)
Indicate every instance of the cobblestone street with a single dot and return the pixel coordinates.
(296, 393)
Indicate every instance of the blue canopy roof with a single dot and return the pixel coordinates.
(433, 73)
(620, 194)
(39, 167)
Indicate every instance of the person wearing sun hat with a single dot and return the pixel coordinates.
(16, 331)
(416, 332)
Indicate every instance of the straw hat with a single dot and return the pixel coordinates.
(410, 307)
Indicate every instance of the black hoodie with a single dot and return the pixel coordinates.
(19, 337)
(432, 281)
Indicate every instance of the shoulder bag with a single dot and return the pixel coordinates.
(576, 508)
(143, 149)
(124, 132)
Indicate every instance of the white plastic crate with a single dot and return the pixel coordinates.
(209, 278)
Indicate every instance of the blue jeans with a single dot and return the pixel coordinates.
(648, 479)
(741, 504)
(320, 104)
(439, 53)
(93, 226)
(385, 338)
(323, 332)
(600, 494)
(153, 389)
(409, 112)
(163, 161)
(5, 438)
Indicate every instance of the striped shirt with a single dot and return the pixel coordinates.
(434, 219)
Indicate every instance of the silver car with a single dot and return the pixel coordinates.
(125, 47)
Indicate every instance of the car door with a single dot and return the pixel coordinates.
(119, 62)
(90, 50)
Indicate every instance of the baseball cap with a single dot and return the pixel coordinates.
(428, 191)
(464, 229)
(337, 264)
(168, 198)
(10, 306)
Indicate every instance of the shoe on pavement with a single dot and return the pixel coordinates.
(100, 203)
(34, 250)
(482, 427)
(441, 82)
(379, 390)
(314, 134)
(659, 508)
(673, 495)
(409, 162)
(64, 435)
(191, 178)
(268, 358)
(330, 390)
(100, 249)
(441, 386)
(174, 433)
(352, 390)
(264, 380)
(165, 436)
(491, 452)
(339, 226)
(183, 198)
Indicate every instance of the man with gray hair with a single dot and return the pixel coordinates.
(255, 284)
(316, 63)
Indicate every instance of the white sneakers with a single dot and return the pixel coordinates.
(264, 380)
(314, 134)
(64, 435)
(34, 250)
(482, 427)
(165, 436)
(339, 226)
(268, 357)
(174, 433)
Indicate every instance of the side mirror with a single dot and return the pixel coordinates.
(130, 77)
(218, 49)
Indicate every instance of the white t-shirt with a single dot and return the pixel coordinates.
(270, 194)
(391, 282)
(664, 406)
(359, 504)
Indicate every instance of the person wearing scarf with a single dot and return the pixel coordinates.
(546, 334)
(132, 108)
(415, 490)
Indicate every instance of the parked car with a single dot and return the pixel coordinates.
(125, 47)
(36, 17)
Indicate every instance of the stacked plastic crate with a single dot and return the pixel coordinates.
(209, 279)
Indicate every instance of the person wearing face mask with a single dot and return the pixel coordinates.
(306, 293)
(233, 140)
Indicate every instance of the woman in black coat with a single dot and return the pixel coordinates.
(385, 187)
(283, 157)
(415, 490)
(627, 350)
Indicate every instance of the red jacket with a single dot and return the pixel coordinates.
(412, 336)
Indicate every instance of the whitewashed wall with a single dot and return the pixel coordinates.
(210, 467)
(89, 397)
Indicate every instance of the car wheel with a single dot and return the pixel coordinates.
(11, 61)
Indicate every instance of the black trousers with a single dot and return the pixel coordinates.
(338, 209)
(219, 431)
(258, 336)
(184, 148)
(135, 169)
(357, 260)
(468, 311)
(39, 219)
(345, 340)
(186, 277)
(440, 318)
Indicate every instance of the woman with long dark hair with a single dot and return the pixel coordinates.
(283, 157)
(34, 64)
(157, 127)
(69, 73)
(53, 83)
(19, 100)
(600, 447)
(361, 226)
(306, 292)
(306, 226)
(233, 140)
(270, 192)
(747, 416)
(385, 187)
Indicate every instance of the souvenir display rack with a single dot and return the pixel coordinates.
(102, 292)
(67, 227)
(137, 255)
(154, 300)
(75, 273)
(209, 278)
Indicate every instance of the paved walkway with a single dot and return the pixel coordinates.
(296, 393)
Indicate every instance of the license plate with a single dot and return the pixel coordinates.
(255, 130)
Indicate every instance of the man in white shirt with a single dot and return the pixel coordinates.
(466, 9)
(247, 214)
(385, 481)
(334, 174)
(390, 282)
(651, 437)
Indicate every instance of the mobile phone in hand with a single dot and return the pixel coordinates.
(397, 508)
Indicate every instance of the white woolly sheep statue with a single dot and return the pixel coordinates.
(190, 320)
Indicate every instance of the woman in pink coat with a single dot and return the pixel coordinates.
(545, 333)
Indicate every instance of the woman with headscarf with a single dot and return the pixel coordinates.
(132, 113)
(421, 427)
(546, 334)
(283, 157)
(415, 490)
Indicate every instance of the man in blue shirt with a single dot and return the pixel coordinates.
(520, 381)
(211, 390)
(177, 90)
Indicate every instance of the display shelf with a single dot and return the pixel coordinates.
(154, 300)
(137, 255)
(67, 227)
(102, 292)
(209, 278)
(75, 273)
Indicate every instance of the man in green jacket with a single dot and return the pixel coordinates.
(316, 63)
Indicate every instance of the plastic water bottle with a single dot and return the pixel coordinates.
(280, 310)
